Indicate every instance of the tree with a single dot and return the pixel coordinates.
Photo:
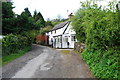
(16, 25)
(7, 10)
(35, 13)
(25, 21)
(7, 18)
(59, 17)
(39, 21)
(20, 23)
(49, 23)
(99, 29)
(48, 19)
(27, 12)
(45, 29)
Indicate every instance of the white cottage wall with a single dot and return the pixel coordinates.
(56, 33)
(65, 33)
(70, 32)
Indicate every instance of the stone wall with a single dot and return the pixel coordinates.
(79, 47)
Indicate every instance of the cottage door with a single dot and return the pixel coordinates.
(55, 43)
(67, 43)
(61, 41)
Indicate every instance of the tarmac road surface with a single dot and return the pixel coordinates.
(45, 62)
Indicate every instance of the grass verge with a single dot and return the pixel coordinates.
(74, 51)
(11, 57)
(65, 51)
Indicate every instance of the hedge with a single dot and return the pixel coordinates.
(12, 43)
(99, 29)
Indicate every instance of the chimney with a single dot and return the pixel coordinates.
(70, 16)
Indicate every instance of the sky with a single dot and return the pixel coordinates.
(49, 8)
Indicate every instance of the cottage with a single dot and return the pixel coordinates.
(62, 35)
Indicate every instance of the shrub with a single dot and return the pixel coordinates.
(103, 64)
(30, 35)
(12, 43)
(99, 29)
(78, 25)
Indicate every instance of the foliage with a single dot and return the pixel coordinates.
(19, 30)
(99, 29)
(0, 41)
(49, 23)
(8, 58)
(17, 24)
(57, 21)
(46, 29)
(12, 43)
(38, 24)
(39, 20)
(7, 10)
(24, 22)
(103, 64)
(7, 17)
(30, 35)
(27, 12)
(78, 23)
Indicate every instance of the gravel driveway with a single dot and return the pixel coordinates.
(45, 62)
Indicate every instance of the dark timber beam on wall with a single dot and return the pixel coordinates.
(66, 27)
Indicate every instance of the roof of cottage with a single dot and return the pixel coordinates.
(61, 25)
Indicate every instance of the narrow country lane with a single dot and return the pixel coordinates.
(45, 62)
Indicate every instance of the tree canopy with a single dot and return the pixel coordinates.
(7, 17)
(18, 24)
(98, 28)
(7, 10)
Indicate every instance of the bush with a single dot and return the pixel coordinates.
(78, 25)
(99, 29)
(30, 35)
(103, 64)
(45, 29)
(12, 43)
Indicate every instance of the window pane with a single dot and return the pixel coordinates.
(72, 38)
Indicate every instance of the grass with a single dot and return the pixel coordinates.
(11, 57)
(53, 48)
(65, 51)
(74, 51)
(68, 52)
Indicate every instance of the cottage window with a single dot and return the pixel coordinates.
(51, 40)
(58, 39)
(72, 38)
(66, 39)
